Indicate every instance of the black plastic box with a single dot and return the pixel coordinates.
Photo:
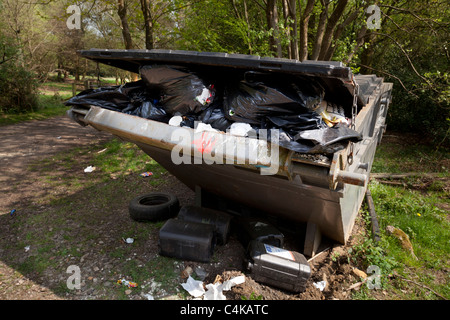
(186, 240)
(250, 229)
(219, 220)
(288, 270)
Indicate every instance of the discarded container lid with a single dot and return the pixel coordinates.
(252, 229)
(186, 240)
(288, 270)
(219, 220)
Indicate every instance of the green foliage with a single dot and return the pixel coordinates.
(411, 49)
(18, 88)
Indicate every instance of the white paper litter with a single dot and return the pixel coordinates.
(129, 240)
(203, 98)
(320, 285)
(175, 121)
(194, 287)
(240, 129)
(204, 127)
(214, 290)
(27, 248)
(149, 296)
(89, 169)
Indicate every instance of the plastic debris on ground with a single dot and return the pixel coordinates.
(11, 213)
(240, 104)
(214, 291)
(146, 174)
(320, 285)
(89, 169)
(149, 296)
(127, 283)
(200, 272)
(128, 240)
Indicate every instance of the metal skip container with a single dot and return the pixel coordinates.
(324, 192)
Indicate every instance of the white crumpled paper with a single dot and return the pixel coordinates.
(194, 287)
(201, 127)
(175, 121)
(320, 285)
(240, 129)
(214, 290)
(89, 169)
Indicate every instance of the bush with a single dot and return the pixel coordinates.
(428, 112)
(18, 89)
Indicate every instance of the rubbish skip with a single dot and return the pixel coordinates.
(303, 153)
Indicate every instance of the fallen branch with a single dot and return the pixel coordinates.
(421, 285)
(404, 175)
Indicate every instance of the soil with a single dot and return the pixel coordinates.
(20, 188)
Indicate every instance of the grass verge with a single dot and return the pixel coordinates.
(419, 207)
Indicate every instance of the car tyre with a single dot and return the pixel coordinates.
(154, 206)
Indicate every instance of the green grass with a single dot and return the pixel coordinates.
(410, 156)
(421, 213)
(68, 217)
(49, 105)
(51, 97)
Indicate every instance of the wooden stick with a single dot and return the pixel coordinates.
(421, 285)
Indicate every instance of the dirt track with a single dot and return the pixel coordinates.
(20, 145)
(23, 143)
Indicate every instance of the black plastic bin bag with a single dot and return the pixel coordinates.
(181, 91)
(132, 98)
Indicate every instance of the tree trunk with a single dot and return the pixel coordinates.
(290, 12)
(331, 25)
(148, 23)
(320, 30)
(368, 53)
(304, 30)
(122, 11)
(272, 24)
(247, 21)
(286, 26)
(359, 42)
(339, 29)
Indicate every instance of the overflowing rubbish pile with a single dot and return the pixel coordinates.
(195, 232)
(295, 106)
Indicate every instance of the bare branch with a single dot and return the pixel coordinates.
(406, 55)
(390, 75)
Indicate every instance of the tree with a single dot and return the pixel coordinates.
(122, 7)
(148, 23)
